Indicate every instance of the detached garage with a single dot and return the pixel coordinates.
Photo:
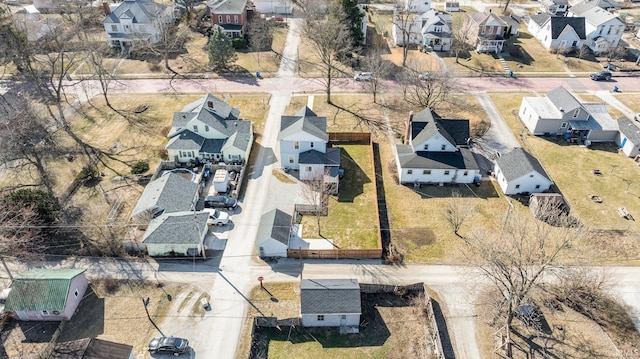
(628, 137)
(273, 234)
(519, 172)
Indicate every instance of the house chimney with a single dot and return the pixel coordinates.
(408, 132)
(489, 10)
(106, 8)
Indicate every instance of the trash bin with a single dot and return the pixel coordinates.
(615, 89)
(258, 74)
(68, 77)
(510, 73)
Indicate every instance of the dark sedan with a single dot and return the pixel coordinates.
(173, 345)
(602, 75)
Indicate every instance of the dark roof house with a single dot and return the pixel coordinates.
(273, 234)
(91, 348)
(167, 194)
(330, 296)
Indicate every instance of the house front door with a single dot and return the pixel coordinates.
(343, 320)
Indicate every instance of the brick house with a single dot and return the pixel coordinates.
(230, 15)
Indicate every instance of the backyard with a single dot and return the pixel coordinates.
(391, 327)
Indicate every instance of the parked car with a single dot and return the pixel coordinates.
(173, 345)
(426, 76)
(217, 218)
(602, 75)
(363, 76)
(637, 117)
(220, 202)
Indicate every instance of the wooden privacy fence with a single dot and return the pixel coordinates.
(335, 253)
(362, 137)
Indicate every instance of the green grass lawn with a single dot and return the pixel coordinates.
(352, 220)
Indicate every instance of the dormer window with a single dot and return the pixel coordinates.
(426, 147)
(210, 104)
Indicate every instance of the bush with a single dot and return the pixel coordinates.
(239, 42)
(44, 204)
(163, 154)
(165, 131)
(140, 167)
(87, 172)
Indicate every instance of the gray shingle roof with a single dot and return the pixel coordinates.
(140, 11)
(311, 157)
(462, 159)
(600, 115)
(594, 14)
(482, 18)
(540, 19)
(227, 6)
(171, 193)
(274, 224)
(559, 23)
(330, 296)
(563, 99)
(427, 123)
(176, 228)
(91, 348)
(186, 140)
(304, 120)
(587, 4)
(518, 163)
(630, 130)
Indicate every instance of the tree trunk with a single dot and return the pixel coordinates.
(329, 87)
(509, 351)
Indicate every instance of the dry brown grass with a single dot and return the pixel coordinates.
(630, 100)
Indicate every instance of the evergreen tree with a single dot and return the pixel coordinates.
(354, 19)
(221, 52)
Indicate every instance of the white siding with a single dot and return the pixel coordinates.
(524, 184)
(272, 248)
(630, 149)
(330, 320)
(437, 175)
(435, 144)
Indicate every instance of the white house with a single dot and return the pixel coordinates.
(629, 137)
(330, 303)
(436, 151)
(560, 113)
(167, 194)
(303, 142)
(417, 6)
(554, 7)
(609, 5)
(136, 20)
(519, 172)
(176, 234)
(436, 30)
(603, 29)
(46, 294)
(273, 234)
(209, 130)
(558, 32)
(452, 6)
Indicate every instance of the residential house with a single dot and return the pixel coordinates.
(486, 31)
(629, 137)
(560, 113)
(176, 234)
(436, 30)
(558, 32)
(554, 7)
(417, 6)
(35, 26)
(513, 25)
(46, 294)
(303, 142)
(91, 348)
(436, 151)
(167, 194)
(330, 303)
(281, 7)
(231, 15)
(603, 29)
(519, 172)
(451, 6)
(209, 130)
(609, 5)
(136, 21)
(273, 234)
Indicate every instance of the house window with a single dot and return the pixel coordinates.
(321, 318)
(524, 110)
(465, 173)
(343, 316)
(76, 293)
(444, 147)
(426, 147)
(490, 30)
(426, 172)
(114, 28)
(446, 173)
(308, 169)
(235, 19)
(228, 19)
(537, 186)
(44, 312)
(126, 28)
(609, 32)
(409, 172)
(296, 145)
(574, 44)
(311, 144)
(195, 128)
(291, 159)
(564, 125)
(219, 19)
(517, 186)
(206, 128)
(600, 33)
(576, 113)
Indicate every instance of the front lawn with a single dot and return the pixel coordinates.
(352, 220)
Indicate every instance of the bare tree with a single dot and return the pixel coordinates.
(260, 36)
(317, 192)
(461, 34)
(516, 258)
(171, 40)
(584, 51)
(330, 41)
(426, 87)
(19, 233)
(403, 23)
(380, 68)
(456, 211)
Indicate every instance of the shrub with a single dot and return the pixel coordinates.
(140, 167)
(44, 204)
(239, 42)
(165, 131)
(87, 172)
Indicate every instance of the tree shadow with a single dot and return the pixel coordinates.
(88, 321)
(352, 184)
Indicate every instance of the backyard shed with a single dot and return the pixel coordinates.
(221, 181)
(273, 234)
(330, 303)
(628, 137)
